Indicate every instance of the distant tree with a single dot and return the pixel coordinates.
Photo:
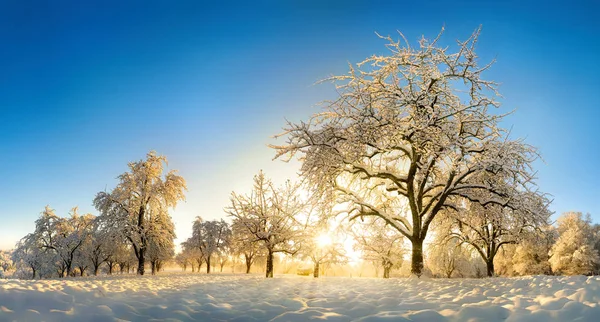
(98, 247)
(30, 258)
(573, 253)
(447, 257)
(416, 125)
(531, 254)
(6, 262)
(245, 243)
(271, 217)
(142, 198)
(323, 250)
(160, 253)
(161, 243)
(183, 259)
(209, 237)
(380, 243)
(487, 228)
(63, 236)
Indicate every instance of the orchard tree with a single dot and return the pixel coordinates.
(416, 126)
(209, 237)
(574, 253)
(244, 243)
(487, 228)
(447, 256)
(322, 249)
(142, 199)
(531, 254)
(63, 236)
(379, 243)
(6, 263)
(98, 248)
(31, 259)
(271, 216)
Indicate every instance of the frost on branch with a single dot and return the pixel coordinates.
(413, 127)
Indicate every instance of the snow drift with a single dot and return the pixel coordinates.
(220, 297)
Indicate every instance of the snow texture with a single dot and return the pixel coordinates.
(220, 297)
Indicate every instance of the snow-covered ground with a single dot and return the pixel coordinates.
(220, 297)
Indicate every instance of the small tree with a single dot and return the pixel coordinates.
(209, 237)
(487, 228)
(63, 236)
(381, 244)
(573, 253)
(321, 249)
(143, 196)
(447, 256)
(271, 217)
(531, 254)
(244, 243)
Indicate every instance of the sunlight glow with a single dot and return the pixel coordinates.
(323, 240)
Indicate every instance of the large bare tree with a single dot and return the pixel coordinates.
(410, 130)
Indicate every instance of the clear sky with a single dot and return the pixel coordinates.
(86, 88)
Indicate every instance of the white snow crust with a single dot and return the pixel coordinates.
(222, 297)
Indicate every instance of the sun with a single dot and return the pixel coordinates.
(323, 240)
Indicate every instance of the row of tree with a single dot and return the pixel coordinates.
(133, 227)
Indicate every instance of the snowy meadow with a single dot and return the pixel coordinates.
(226, 297)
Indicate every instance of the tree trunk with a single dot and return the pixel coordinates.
(490, 267)
(416, 267)
(96, 268)
(386, 271)
(153, 264)
(316, 270)
(142, 248)
(208, 265)
(141, 261)
(248, 263)
(269, 273)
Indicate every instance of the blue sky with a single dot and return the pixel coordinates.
(86, 88)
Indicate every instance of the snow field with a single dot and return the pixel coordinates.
(221, 297)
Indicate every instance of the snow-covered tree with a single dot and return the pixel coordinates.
(415, 127)
(183, 259)
(574, 253)
(488, 228)
(379, 243)
(209, 237)
(6, 262)
(160, 253)
(323, 248)
(142, 199)
(531, 254)
(244, 243)
(98, 248)
(447, 256)
(271, 216)
(31, 260)
(63, 236)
